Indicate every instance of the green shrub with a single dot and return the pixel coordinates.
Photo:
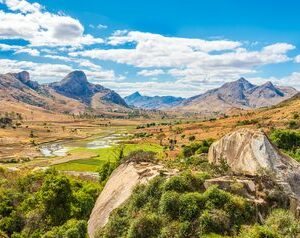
(138, 198)
(140, 156)
(258, 232)
(106, 170)
(215, 198)
(56, 196)
(169, 204)
(285, 139)
(177, 183)
(72, 229)
(145, 226)
(284, 223)
(196, 148)
(293, 124)
(214, 221)
(190, 206)
(117, 225)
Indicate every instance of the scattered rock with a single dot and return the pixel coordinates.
(244, 187)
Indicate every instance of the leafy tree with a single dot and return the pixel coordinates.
(56, 196)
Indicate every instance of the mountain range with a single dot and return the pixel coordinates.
(156, 102)
(72, 95)
(240, 94)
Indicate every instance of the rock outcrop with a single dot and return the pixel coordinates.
(118, 189)
(249, 152)
(75, 85)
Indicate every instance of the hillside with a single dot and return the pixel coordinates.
(75, 85)
(155, 102)
(239, 94)
(73, 95)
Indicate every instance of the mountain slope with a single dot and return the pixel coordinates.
(73, 95)
(238, 94)
(156, 102)
(75, 85)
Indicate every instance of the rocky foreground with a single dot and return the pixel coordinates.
(251, 160)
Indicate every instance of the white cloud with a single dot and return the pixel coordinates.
(279, 48)
(22, 6)
(292, 80)
(32, 52)
(19, 49)
(30, 22)
(45, 72)
(189, 59)
(148, 73)
(297, 59)
(6, 47)
(101, 26)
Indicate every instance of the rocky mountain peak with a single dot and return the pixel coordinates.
(136, 94)
(76, 77)
(22, 76)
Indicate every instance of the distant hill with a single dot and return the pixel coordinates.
(74, 94)
(156, 102)
(237, 94)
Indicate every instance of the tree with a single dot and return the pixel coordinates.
(161, 137)
(56, 196)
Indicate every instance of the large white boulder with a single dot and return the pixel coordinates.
(250, 152)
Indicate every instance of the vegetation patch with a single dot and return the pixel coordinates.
(45, 204)
(105, 155)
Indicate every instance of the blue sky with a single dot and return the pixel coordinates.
(155, 47)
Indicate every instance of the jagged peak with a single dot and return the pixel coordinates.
(76, 76)
(136, 94)
(268, 84)
(23, 76)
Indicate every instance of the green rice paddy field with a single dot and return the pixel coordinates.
(102, 155)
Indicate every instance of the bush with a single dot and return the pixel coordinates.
(215, 198)
(197, 148)
(169, 204)
(215, 221)
(285, 139)
(293, 124)
(72, 229)
(284, 223)
(140, 156)
(258, 232)
(106, 170)
(145, 226)
(177, 183)
(56, 196)
(190, 206)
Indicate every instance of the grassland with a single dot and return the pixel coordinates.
(105, 154)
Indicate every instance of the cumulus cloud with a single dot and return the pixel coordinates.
(297, 59)
(19, 49)
(292, 80)
(46, 72)
(30, 22)
(187, 58)
(32, 52)
(22, 6)
(148, 73)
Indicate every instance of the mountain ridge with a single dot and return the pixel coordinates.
(152, 102)
(72, 95)
(239, 94)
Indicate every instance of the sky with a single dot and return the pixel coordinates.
(179, 48)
